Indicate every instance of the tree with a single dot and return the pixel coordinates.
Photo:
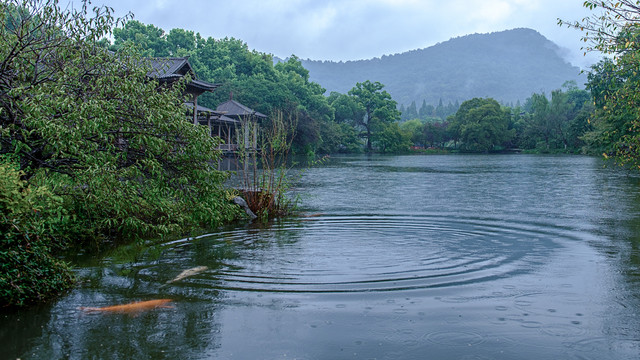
(554, 125)
(614, 82)
(608, 32)
(149, 38)
(91, 126)
(426, 111)
(435, 134)
(377, 107)
(181, 42)
(411, 112)
(440, 110)
(481, 125)
(538, 127)
(347, 110)
(414, 129)
(390, 138)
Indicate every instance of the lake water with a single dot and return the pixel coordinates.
(399, 257)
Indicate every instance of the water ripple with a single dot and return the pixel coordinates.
(374, 253)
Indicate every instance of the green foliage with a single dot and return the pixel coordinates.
(112, 143)
(266, 175)
(607, 31)
(339, 138)
(377, 108)
(616, 123)
(481, 125)
(553, 125)
(435, 135)
(148, 38)
(413, 128)
(32, 220)
(614, 82)
(390, 138)
(250, 76)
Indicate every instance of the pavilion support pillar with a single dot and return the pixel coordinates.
(195, 110)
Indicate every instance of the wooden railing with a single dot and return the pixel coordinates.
(228, 147)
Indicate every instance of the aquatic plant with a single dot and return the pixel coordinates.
(265, 177)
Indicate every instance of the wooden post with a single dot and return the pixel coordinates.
(245, 132)
(195, 109)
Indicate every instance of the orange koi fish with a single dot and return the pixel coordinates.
(133, 307)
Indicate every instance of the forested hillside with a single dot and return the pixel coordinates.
(507, 66)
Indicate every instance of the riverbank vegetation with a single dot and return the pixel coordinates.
(614, 83)
(93, 151)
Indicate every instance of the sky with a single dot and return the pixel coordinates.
(343, 30)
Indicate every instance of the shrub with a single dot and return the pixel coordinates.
(30, 218)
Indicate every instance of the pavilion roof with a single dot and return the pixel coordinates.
(216, 115)
(234, 108)
(171, 69)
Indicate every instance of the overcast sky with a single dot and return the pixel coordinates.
(357, 29)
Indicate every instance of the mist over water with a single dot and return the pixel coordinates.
(395, 257)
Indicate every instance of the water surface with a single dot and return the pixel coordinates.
(402, 257)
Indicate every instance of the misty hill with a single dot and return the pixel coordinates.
(507, 66)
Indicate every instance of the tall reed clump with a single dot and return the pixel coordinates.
(266, 171)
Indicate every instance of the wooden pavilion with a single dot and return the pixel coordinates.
(225, 121)
(248, 122)
(171, 69)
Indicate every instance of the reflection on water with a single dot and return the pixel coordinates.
(444, 257)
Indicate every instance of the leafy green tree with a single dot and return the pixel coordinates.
(341, 135)
(426, 111)
(554, 125)
(615, 133)
(481, 125)
(414, 129)
(560, 117)
(149, 38)
(347, 110)
(390, 138)
(615, 81)
(538, 129)
(181, 42)
(410, 113)
(31, 219)
(98, 132)
(339, 138)
(434, 134)
(377, 106)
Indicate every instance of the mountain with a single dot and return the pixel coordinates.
(507, 66)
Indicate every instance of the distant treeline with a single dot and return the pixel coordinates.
(556, 124)
(428, 112)
(366, 118)
(351, 122)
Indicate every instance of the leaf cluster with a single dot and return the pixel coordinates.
(614, 29)
(108, 139)
(32, 220)
(481, 125)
